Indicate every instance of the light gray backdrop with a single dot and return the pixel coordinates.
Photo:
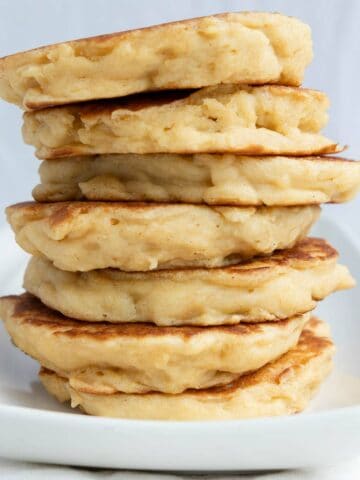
(26, 24)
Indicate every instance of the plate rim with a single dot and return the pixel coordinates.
(27, 412)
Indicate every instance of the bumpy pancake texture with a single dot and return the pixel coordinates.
(138, 358)
(229, 48)
(83, 236)
(209, 125)
(249, 292)
(223, 119)
(282, 387)
(211, 179)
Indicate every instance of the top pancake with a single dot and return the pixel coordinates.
(242, 47)
(260, 120)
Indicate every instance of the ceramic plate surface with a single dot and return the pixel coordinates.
(36, 428)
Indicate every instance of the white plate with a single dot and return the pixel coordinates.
(34, 427)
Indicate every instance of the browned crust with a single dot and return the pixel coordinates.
(251, 150)
(134, 102)
(311, 344)
(143, 100)
(27, 309)
(309, 250)
(57, 213)
(84, 207)
(305, 250)
(313, 158)
(60, 212)
(323, 158)
(35, 106)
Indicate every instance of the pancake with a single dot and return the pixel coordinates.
(201, 178)
(222, 119)
(282, 387)
(249, 292)
(83, 236)
(138, 358)
(228, 48)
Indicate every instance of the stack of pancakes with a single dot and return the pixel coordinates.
(171, 276)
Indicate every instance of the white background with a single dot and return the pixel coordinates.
(26, 24)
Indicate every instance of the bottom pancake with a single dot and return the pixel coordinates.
(282, 387)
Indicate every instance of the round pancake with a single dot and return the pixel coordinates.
(201, 178)
(249, 292)
(83, 236)
(222, 119)
(228, 48)
(143, 357)
(282, 387)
